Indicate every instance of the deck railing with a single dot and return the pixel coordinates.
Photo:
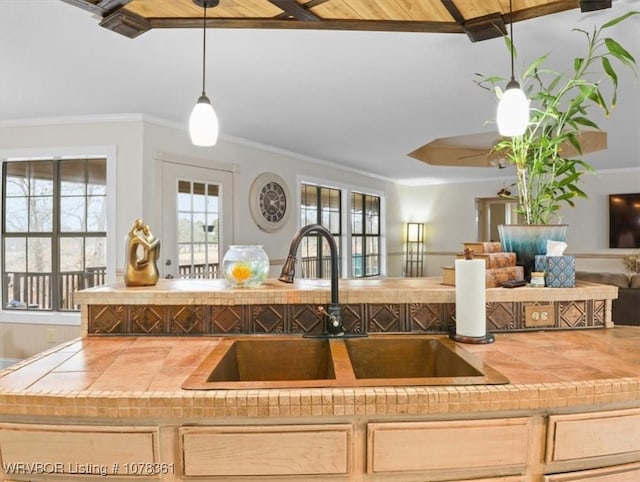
(35, 290)
(199, 271)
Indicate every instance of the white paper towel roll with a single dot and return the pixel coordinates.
(471, 310)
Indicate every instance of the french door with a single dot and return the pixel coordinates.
(196, 219)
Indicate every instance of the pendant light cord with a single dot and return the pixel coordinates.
(512, 43)
(204, 47)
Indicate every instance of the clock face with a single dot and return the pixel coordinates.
(268, 201)
(273, 202)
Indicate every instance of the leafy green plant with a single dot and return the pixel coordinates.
(560, 105)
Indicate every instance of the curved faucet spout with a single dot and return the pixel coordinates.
(334, 318)
(289, 269)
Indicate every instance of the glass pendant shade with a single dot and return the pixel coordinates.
(513, 111)
(203, 123)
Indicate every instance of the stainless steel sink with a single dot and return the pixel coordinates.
(380, 360)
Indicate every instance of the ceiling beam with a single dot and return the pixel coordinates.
(86, 5)
(309, 5)
(478, 28)
(371, 25)
(297, 15)
(126, 23)
(111, 5)
(593, 5)
(293, 9)
(485, 27)
(102, 8)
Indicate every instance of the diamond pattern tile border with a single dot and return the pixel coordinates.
(305, 318)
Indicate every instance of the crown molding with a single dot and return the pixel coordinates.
(115, 118)
(303, 157)
(66, 120)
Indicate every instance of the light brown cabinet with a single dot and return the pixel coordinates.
(597, 446)
(592, 440)
(618, 473)
(78, 451)
(495, 446)
(280, 450)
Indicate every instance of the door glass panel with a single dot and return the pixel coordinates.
(198, 214)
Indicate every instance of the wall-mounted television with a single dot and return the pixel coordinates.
(624, 220)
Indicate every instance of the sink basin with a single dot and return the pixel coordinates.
(380, 360)
(408, 358)
(270, 362)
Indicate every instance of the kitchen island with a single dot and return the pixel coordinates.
(114, 406)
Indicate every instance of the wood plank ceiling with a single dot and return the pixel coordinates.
(479, 19)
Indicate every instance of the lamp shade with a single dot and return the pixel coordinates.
(513, 111)
(414, 232)
(203, 123)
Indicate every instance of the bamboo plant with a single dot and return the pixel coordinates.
(560, 107)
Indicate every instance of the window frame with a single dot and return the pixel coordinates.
(108, 152)
(365, 236)
(338, 236)
(346, 236)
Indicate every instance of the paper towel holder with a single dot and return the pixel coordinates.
(453, 332)
(475, 340)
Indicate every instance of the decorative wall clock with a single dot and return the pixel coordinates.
(269, 202)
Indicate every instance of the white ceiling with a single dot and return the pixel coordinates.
(358, 99)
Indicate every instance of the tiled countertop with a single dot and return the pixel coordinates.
(383, 290)
(133, 377)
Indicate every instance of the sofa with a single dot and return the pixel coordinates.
(626, 309)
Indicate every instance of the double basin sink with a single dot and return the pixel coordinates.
(379, 360)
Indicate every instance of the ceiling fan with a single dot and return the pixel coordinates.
(476, 150)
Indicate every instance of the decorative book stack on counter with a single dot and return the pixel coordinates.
(500, 266)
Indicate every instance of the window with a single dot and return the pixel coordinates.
(54, 231)
(319, 205)
(365, 235)
(324, 205)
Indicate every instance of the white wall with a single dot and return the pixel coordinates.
(450, 217)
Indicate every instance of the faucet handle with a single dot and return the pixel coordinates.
(332, 318)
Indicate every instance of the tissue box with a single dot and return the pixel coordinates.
(560, 271)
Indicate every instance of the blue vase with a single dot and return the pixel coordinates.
(528, 240)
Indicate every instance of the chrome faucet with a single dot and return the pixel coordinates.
(333, 314)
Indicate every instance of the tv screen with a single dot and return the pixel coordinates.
(624, 220)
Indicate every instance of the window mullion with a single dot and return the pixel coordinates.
(55, 239)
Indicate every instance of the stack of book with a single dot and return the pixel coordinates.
(500, 266)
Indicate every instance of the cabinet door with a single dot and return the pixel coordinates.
(277, 450)
(618, 473)
(75, 450)
(449, 446)
(598, 434)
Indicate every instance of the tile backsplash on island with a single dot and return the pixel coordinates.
(390, 305)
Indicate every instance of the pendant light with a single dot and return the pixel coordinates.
(513, 108)
(203, 123)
